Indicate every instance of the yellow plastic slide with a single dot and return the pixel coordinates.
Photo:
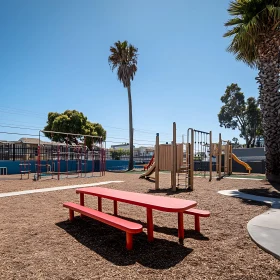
(246, 165)
(149, 172)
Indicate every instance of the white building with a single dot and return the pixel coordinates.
(124, 146)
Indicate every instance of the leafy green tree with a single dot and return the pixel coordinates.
(123, 57)
(241, 114)
(72, 121)
(255, 32)
(117, 154)
(235, 142)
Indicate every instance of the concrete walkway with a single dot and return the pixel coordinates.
(56, 188)
(265, 231)
(265, 228)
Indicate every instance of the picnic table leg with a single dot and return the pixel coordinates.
(82, 201)
(150, 225)
(71, 215)
(129, 241)
(99, 204)
(180, 226)
(196, 223)
(115, 208)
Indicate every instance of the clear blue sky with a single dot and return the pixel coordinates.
(54, 57)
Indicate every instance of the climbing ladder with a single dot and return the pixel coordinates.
(182, 174)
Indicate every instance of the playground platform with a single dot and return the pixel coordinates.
(264, 229)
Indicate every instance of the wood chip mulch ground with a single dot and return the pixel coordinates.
(38, 242)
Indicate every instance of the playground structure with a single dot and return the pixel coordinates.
(76, 160)
(193, 157)
(222, 152)
(25, 168)
(246, 165)
(147, 166)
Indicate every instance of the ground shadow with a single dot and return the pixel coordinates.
(109, 243)
(253, 202)
(169, 191)
(276, 186)
(272, 193)
(189, 233)
(151, 180)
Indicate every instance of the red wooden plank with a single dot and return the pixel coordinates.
(166, 204)
(114, 221)
(197, 212)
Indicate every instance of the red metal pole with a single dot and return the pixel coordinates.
(85, 160)
(39, 163)
(104, 161)
(100, 157)
(92, 157)
(67, 156)
(58, 162)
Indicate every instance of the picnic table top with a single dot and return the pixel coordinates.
(162, 203)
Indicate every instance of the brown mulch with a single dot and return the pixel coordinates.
(38, 242)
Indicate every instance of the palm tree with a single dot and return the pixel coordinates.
(256, 41)
(124, 57)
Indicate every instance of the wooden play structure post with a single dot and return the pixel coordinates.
(191, 159)
(157, 162)
(174, 159)
(230, 159)
(225, 149)
(219, 157)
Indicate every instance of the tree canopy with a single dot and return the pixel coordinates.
(72, 121)
(123, 57)
(241, 114)
(252, 21)
(117, 154)
(235, 142)
(255, 32)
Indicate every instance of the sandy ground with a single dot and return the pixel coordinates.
(38, 241)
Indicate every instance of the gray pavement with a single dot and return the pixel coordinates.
(264, 229)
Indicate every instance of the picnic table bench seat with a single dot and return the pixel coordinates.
(197, 213)
(127, 226)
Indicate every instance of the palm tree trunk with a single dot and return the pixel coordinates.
(268, 78)
(130, 163)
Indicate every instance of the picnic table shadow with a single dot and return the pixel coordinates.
(109, 243)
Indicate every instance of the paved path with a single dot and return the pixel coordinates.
(56, 189)
(236, 193)
(265, 228)
(265, 231)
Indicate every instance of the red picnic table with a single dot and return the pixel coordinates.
(151, 202)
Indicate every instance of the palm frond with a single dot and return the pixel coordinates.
(251, 19)
(124, 58)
